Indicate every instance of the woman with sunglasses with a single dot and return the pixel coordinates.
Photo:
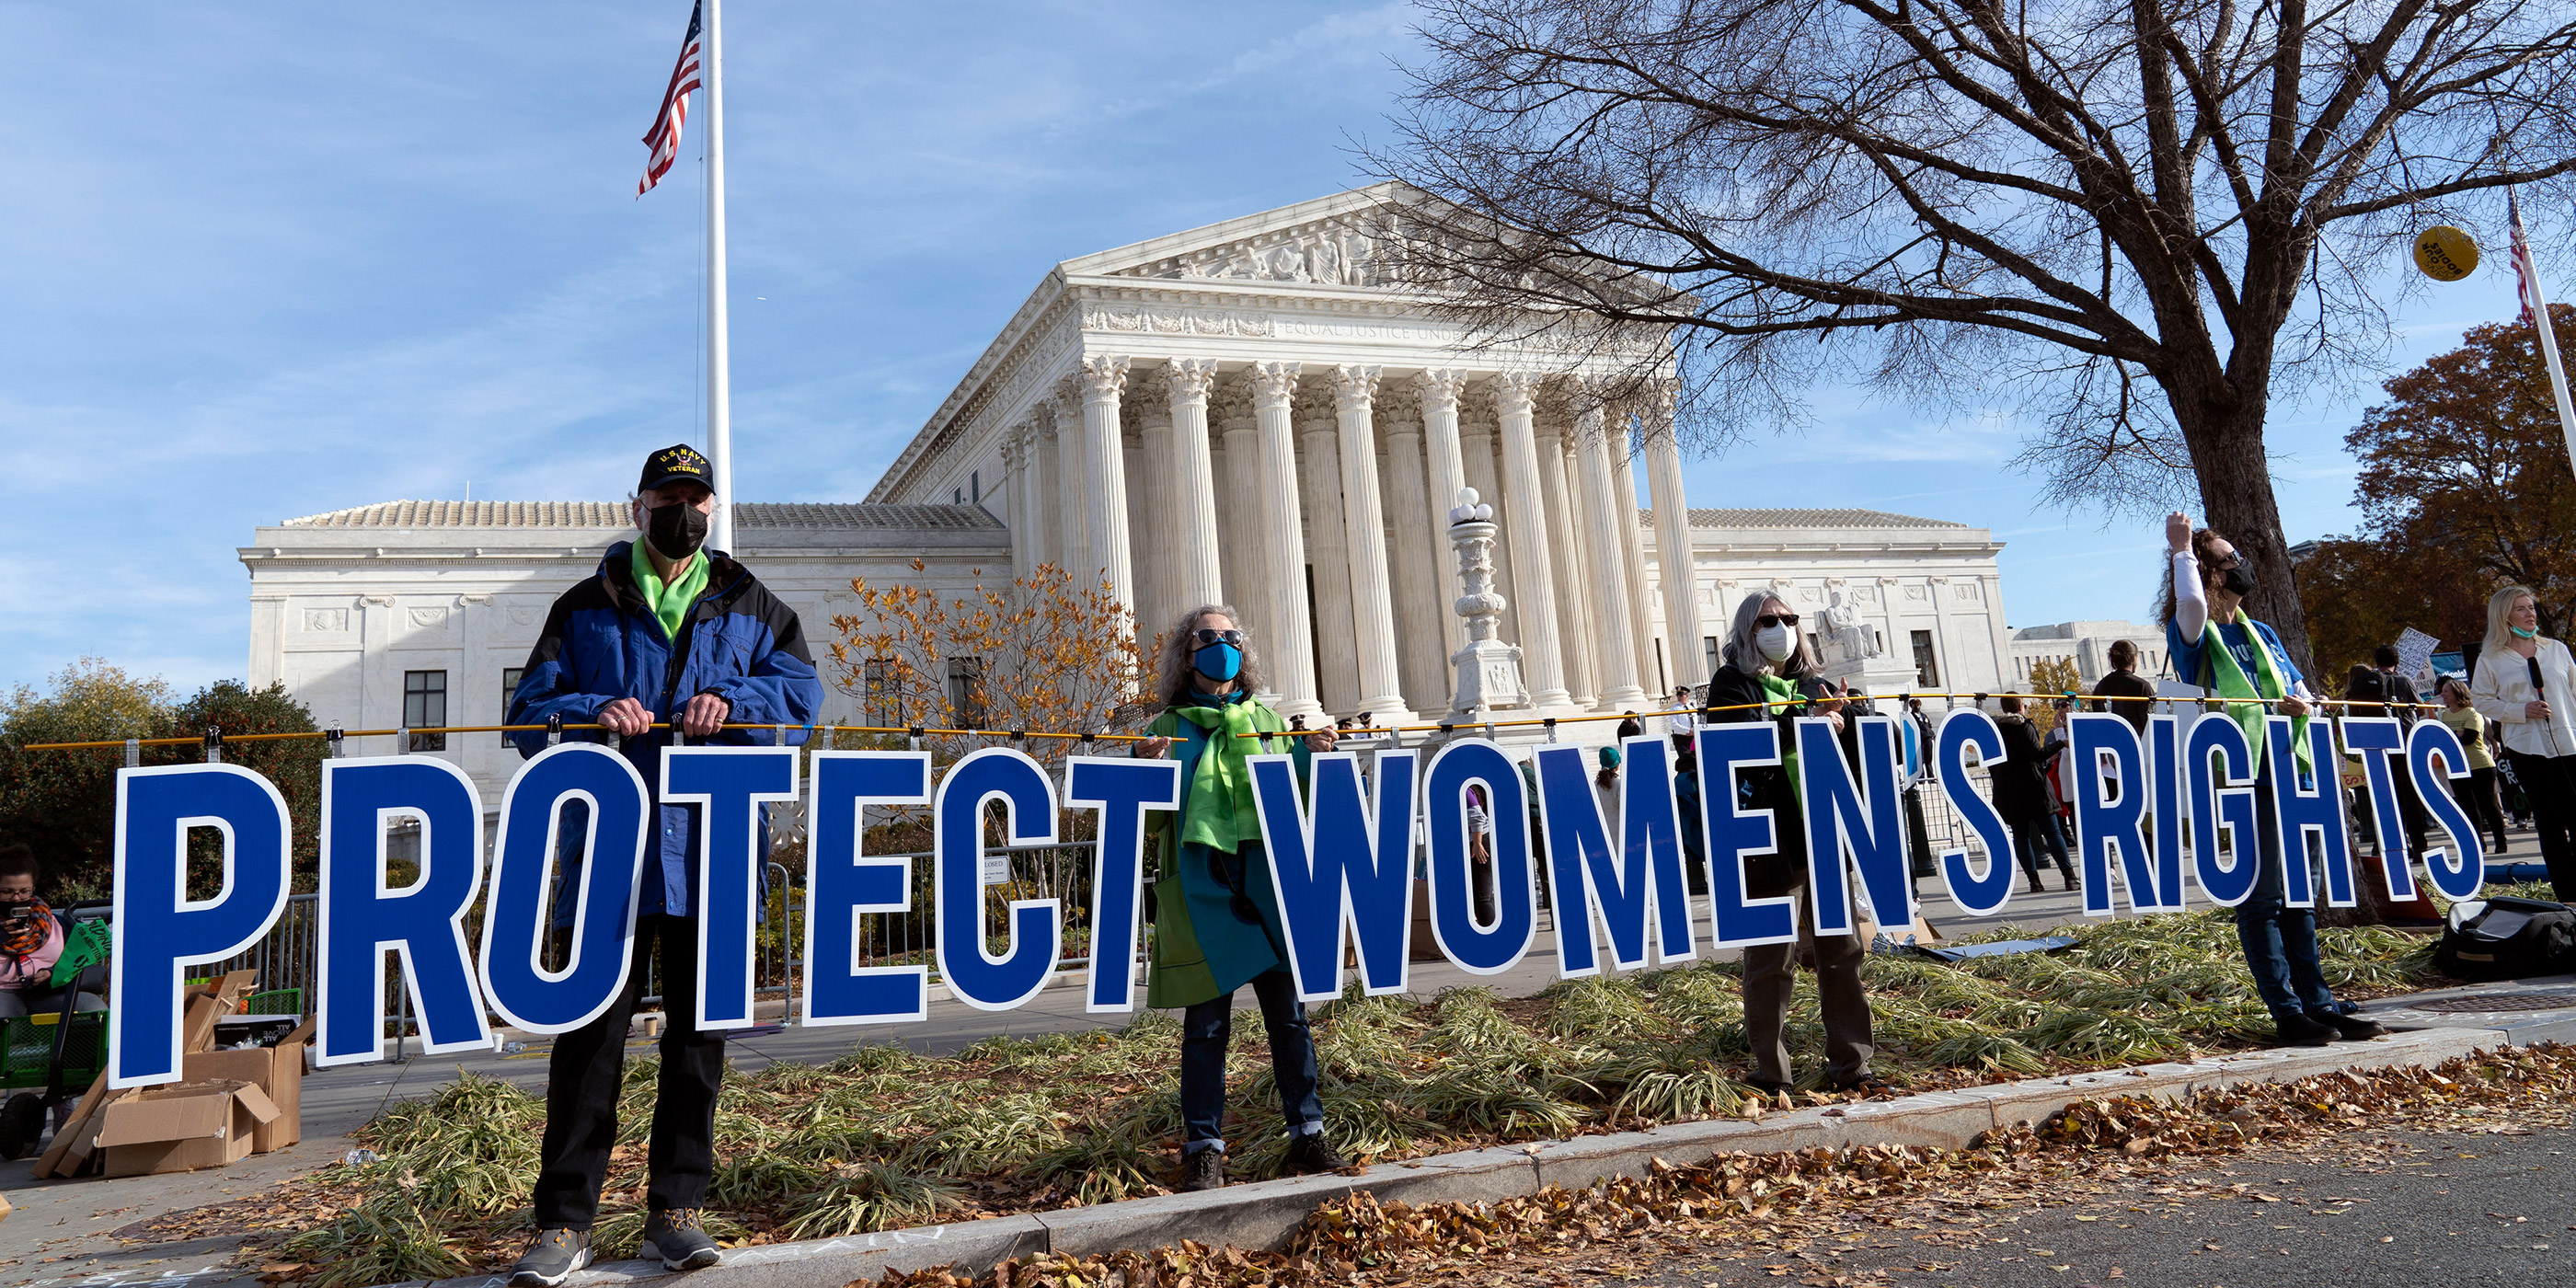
(1769, 674)
(1216, 919)
(2215, 644)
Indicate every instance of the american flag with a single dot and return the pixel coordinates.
(664, 137)
(2526, 277)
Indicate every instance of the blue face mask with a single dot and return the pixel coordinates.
(1218, 661)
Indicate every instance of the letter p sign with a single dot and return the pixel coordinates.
(160, 931)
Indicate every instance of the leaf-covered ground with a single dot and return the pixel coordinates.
(884, 1138)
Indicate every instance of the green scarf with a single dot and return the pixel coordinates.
(1779, 694)
(670, 604)
(1219, 813)
(2242, 696)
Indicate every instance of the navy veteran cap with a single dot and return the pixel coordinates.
(678, 463)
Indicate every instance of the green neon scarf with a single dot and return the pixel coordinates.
(670, 604)
(2242, 695)
(1219, 812)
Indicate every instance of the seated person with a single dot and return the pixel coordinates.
(31, 938)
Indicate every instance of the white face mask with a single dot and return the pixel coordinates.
(1776, 642)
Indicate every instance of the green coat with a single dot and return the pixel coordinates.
(1201, 950)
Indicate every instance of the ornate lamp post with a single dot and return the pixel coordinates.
(1489, 670)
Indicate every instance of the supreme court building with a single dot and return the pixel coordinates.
(1259, 412)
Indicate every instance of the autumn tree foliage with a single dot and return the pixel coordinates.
(1042, 653)
(2465, 485)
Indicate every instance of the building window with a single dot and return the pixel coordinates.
(425, 707)
(966, 691)
(975, 487)
(958, 496)
(509, 692)
(1927, 668)
(877, 678)
(1715, 658)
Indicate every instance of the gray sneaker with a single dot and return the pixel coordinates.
(551, 1259)
(679, 1237)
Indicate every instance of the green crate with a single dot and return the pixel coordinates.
(27, 1050)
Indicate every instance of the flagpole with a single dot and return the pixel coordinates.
(2538, 305)
(719, 370)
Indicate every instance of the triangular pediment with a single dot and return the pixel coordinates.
(1343, 240)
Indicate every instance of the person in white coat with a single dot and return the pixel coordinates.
(2526, 683)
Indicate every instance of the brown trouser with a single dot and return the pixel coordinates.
(1771, 975)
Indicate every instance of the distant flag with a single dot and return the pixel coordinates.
(664, 137)
(2535, 312)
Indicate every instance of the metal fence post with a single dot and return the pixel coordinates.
(134, 753)
(214, 744)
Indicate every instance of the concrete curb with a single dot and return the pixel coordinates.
(1263, 1214)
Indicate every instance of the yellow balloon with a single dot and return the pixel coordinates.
(2445, 253)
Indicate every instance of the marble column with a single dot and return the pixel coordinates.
(1015, 480)
(1476, 454)
(1607, 567)
(1525, 531)
(1328, 553)
(1239, 511)
(1153, 538)
(1372, 597)
(1422, 603)
(1439, 391)
(1072, 503)
(1675, 558)
(1632, 549)
(1283, 633)
(1195, 577)
(1567, 563)
(1103, 379)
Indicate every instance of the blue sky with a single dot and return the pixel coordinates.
(269, 260)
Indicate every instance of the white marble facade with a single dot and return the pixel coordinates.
(1263, 412)
(1257, 412)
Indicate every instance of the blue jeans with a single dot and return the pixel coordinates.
(2280, 942)
(1207, 1029)
(2032, 835)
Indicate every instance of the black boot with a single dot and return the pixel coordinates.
(2035, 886)
(1310, 1154)
(2301, 1029)
(1204, 1170)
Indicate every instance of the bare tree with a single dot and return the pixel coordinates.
(2139, 221)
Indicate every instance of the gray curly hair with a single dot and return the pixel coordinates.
(1744, 653)
(1174, 664)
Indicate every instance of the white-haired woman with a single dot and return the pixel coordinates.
(2525, 683)
(1770, 675)
(1216, 919)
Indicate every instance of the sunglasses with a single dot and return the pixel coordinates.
(1776, 619)
(1206, 636)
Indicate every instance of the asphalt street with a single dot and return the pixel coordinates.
(2432, 1209)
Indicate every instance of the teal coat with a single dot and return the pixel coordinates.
(1202, 951)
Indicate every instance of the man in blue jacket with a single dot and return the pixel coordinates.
(668, 633)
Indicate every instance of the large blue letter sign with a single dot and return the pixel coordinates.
(1975, 895)
(520, 914)
(2303, 810)
(973, 973)
(841, 884)
(2372, 738)
(1625, 879)
(1734, 835)
(160, 931)
(1336, 863)
(729, 786)
(2458, 869)
(2222, 794)
(1122, 790)
(424, 922)
(1868, 818)
(1479, 949)
(2102, 825)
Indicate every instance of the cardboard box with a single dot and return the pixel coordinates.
(277, 1071)
(183, 1127)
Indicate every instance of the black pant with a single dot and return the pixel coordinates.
(587, 1068)
(2550, 783)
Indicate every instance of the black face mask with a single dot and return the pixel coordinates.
(2238, 581)
(675, 531)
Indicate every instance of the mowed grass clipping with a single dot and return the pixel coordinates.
(884, 1138)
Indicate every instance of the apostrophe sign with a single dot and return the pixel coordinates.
(2446, 254)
